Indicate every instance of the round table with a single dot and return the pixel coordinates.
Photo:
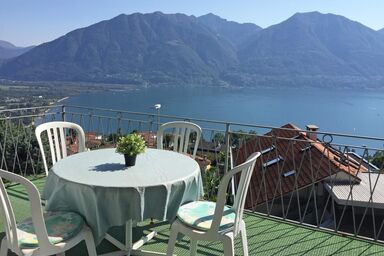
(97, 185)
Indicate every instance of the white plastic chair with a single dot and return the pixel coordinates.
(181, 136)
(20, 237)
(57, 139)
(209, 221)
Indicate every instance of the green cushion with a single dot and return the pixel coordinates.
(199, 215)
(61, 226)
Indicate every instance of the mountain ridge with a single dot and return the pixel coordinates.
(309, 49)
(235, 33)
(126, 48)
(9, 50)
(315, 44)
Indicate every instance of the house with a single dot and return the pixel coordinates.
(203, 161)
(368, 193)
(92, 136)
(210, 146)
(93, 140)
(149, 137)
(294, 166)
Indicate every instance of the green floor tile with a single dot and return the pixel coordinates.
(265, 236)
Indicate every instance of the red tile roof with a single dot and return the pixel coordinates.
(310, 160)
(90, 136)
(150, 138)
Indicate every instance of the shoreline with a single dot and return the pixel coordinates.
(55, 103)
(62, 99)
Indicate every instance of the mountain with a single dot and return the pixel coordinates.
(138, 48)
(314, 46)
(6, 44)
(308, 49)
(8, 50)
(234, 32)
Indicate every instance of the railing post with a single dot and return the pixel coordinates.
(227, 156)
(63, 113)
(119, 117)
(226, 147)
(151, 122)
(157, 107)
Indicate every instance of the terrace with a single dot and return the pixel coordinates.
(312, 192)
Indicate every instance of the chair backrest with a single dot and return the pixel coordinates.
(9, 217)
(181, 132)
(57, 137)
(246, 170)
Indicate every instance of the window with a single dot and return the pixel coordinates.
(289, 173)
(375, 168)
(264, 151)
(306, 148)
(273, 161)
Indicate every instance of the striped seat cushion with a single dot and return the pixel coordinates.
(61, 226)
(199, 215)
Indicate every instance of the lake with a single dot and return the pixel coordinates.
(340, 111)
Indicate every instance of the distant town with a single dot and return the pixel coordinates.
(19, 94)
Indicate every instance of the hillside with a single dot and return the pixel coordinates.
(308, 49)
(314, 46)
(138, 48)
(234, 32)
(8, 50)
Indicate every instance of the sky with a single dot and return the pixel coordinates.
(28, 22)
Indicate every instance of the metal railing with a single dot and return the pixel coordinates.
(326, 180)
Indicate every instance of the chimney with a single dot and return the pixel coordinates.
(311, 131)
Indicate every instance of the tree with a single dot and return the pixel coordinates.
(240, 136)
(19, 150)
(218, 138)
(113, 137)
(378, 159)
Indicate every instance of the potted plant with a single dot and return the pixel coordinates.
(130, 146)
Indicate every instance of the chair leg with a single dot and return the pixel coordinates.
(193, 248)
(228, 245)
(244, 240)
(172, 242)
(4, 247)
(90, 243)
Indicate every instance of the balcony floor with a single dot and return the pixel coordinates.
(265, 237)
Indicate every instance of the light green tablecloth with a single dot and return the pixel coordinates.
(97, 185)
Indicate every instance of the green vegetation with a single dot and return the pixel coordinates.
(132, 144)
(211, 181)
(35, 94)
(378, 160)
(19, 148)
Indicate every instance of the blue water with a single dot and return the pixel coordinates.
(341, 111)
